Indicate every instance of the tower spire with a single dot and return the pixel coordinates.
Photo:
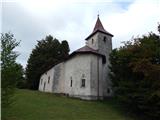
(98, 28)
(98, 15)
(98, 25)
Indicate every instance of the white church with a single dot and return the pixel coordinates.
(84, 74)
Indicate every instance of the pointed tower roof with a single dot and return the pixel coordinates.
(98, 28)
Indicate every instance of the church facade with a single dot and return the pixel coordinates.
(84, 74)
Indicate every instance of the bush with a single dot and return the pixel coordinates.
(135, 73)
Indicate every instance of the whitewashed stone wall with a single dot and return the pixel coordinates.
(58, 78)
(53, 79)
(93, 42)
(104, 47)
(76, 69)
(96, 77)
(80, 66)
(46, 81)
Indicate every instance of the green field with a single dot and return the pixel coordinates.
(34, 105)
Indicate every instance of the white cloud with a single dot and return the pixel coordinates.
(141, 17)
(32, 20)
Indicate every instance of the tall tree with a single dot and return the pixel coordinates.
(21, 81)
(64, 49)
(46, 54)
(135, 73)
(9, 72)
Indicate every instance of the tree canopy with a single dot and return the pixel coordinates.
(135, 73)
(47, 53)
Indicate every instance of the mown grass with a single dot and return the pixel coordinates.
(34, 105)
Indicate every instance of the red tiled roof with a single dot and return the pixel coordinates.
(86, 50)
(98, 27)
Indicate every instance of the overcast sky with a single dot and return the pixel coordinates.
(32, 20)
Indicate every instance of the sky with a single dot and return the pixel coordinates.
(74, 20)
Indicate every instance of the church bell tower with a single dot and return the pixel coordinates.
(101, 40)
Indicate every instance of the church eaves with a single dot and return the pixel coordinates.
(98, 28)
(87, 50)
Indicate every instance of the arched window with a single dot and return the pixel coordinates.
(92, 41)
(71, 82)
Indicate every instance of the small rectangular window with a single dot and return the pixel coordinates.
(83, 83)
(48, 79)
(71, 84)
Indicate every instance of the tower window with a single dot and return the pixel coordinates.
(104, 60)
(92, 41)
(71, 82)
(83, 83)
(104, 39)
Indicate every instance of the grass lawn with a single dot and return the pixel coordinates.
(34, 105)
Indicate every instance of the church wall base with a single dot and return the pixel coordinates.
(87, 97)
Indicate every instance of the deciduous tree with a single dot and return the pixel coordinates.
(135, 73)
(10, 73)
